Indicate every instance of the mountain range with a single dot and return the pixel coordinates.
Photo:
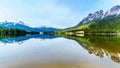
(21, 25)
(100, 22)
(98, 15)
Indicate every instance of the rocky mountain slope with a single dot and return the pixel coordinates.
(98, 15)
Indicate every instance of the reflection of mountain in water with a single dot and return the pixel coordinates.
(23, 38)
(101, 46)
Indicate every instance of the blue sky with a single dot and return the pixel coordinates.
(51, 13)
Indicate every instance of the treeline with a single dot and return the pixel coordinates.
(14, 32)
(11, 31)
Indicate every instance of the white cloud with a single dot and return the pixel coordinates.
(48, 13)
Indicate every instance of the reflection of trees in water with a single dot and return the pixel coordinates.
(102, 46)
(102, 53)
(92, 50)
(115, 58)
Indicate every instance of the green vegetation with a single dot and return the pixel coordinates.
(83, 27)
(14, 32)
(10, 31)
(105, 25)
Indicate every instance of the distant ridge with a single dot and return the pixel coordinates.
(21, 25)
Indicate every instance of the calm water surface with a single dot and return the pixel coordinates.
(43, 51)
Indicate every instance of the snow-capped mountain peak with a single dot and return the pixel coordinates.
(92, 17)
(114, 11)
(21, 25)
(98, 15)
(11, 24)
(15, 22)
(19, 22)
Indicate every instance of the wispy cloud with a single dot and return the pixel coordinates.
(55, 13)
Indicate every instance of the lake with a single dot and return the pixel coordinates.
(45, 51)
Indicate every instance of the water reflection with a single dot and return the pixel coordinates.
(101, 46)
(21, 39)
(59, 52)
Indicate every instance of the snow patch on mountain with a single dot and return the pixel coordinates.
(98, 15)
